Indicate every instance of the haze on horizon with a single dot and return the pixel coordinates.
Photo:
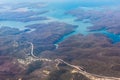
(16, 1)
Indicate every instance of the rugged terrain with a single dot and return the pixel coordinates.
(36, 52)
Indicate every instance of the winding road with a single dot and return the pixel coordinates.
(88, 75)
(32, 53)
(78, 68)
(32, 49)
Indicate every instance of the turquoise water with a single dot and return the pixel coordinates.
(82, 27)
(114, 37)
(14, 24)
(57, 10)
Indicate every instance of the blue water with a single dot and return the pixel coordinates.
(114, 37)
(57, 10)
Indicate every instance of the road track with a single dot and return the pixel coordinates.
(78, 68)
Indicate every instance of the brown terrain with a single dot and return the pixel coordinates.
(43, 37)
(95, 53)
(31, 54)
(15, 45)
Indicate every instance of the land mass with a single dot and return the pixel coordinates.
(101, 19)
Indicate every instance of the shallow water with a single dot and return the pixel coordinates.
(57, 10)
